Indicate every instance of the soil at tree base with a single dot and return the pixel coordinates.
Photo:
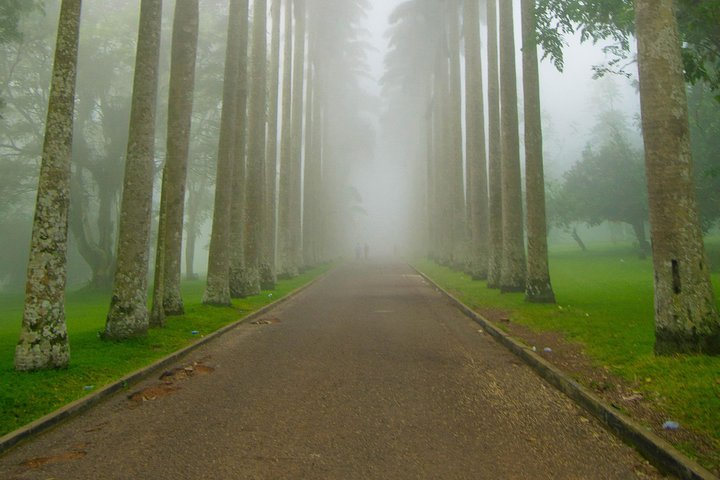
(370, 373)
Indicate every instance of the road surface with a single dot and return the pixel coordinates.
(368, 374)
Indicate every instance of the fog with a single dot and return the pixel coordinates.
(374, 132)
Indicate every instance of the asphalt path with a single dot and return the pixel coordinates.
(368, 374)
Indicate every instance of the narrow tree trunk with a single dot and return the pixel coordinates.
(273, 127)
(686, 316)
(495, 152)
(217, 291)
(512, 274)
(308, 217)
(286, 149)
(256, 261)
(538, 288)
(643, 245)
(180, 103)
(460, 229)
(475, 149)
(240, 284)
(43, 338)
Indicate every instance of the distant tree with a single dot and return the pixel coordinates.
(608, 184)
(513, 268)
(241, 283)
(167, 299)
(271, 148)
(217, 291)
(475, 139)
(705, 141)
(43, 337)
(495, 219)
(538, 287)
(256, 259)
(128, 315)
(686, 315)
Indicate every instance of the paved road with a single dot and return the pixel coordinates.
(369, 374)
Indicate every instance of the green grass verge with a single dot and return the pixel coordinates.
(605, 303)
(25, 397)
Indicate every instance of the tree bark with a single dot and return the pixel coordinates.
(217, 291)
(538, 288)
(256, 261)
(182, 85)
(495, 152)
(686, 316)
(512, 274)
(475, 138)
(273, 127)
(43, 338)
(240, 284)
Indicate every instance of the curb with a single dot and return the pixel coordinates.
(657, 451)
(81, 405)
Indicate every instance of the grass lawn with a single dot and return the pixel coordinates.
(605, 303)
(25, 397)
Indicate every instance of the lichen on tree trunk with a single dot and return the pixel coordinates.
(686, 316)
(43, 338)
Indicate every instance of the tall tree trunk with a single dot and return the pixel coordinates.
(311, 160)
(128, 314)
(455, 139)
(495, 152)
(217, 291)
(476, 159)
(43, 338)
(273, 127)
(180, 103)
(192, 226)
(686, 316)
(538, 288)
(512, 274)
(256, 262)
(286, 148)
(240, 283)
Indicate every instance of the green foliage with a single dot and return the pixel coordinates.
(94, 363)
(11, 11)
(605, 303)
(705, 141)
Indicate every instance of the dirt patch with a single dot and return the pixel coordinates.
(169, 385)
(76, 453)
(266, 321)
(623, 395)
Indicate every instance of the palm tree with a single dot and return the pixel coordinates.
(167, 299)
(285, 144)
(512, 274)
(686, 316)
(240, 284)
(273, 127)
(495, 219)
(43, 338)
(256, 258)
(537, 285)
(128, 315)
(217, 291)
(476, 159)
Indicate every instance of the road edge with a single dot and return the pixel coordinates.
(53, 419)
(657, 451)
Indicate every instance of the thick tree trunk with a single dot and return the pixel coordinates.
(311, 160)
(43, 338)
(257, 264)
(240, 284)
(538, 288)
(286, 148)
(512, 274)
(686, 316)
(182, 85)
(495, 152)
(217, 291)
(475, 140)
